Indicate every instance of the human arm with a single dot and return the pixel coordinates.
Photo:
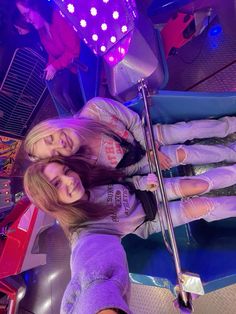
(100, 277)
(69, 40)
(123, 121)
(142, 166)
(120, 119)
(145, 183)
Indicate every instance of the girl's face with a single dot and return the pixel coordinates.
(60, 143)
(67, 183)
(31, 16)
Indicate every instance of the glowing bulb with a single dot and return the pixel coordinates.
(124, 28)
(71, 8)
(83, 23)
(115, 15)
(62, 14)
(95, 37)
(113, 39)
(103, 48)
(105, 1)
(93, 11)
(104, 26)
(111, 59)
(85, 40)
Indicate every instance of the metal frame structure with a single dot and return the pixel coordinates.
(187, 283)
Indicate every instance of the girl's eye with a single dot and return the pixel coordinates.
(57, 184)
(67, 171)
(49, 139)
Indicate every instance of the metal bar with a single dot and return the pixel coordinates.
(166, 211)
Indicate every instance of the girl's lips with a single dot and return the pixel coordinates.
(69, 142)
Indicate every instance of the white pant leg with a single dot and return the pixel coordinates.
(207, 208)
(185, 211)
(198, 154)
(182, 131)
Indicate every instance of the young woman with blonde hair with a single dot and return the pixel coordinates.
(106, 133)
(96, 207)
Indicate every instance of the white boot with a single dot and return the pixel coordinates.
(182, 131)
(198, 154)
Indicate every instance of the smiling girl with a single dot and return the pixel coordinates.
(96, 208)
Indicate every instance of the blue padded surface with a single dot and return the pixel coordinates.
(171, 107)
(211, 251)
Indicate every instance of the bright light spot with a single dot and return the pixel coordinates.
(94, 51)
(93, 11)
(53, 276)
(85, 40)
(75, 29)
(95, 37)
(105, 1)
(62, 14)
(46, 305)
(83, 23)
(124, 28)
(104, 26)
(217, 29)
(113, 39)
(103, 48)
(121, 50)
(71, 8)
(111, 59)
(115, 15)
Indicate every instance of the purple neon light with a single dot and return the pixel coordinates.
(71, 8)
(110, 21)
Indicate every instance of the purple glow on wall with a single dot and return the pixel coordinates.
(103, 24)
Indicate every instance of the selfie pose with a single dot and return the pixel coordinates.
(96, 207)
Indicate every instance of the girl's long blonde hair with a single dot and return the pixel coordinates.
(85, 128)
(44, 195)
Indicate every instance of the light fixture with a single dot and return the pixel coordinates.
(71, 8)
(93, 11)
(111, 21)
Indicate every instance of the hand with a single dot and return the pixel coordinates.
(164, 160)
(50, 72)
(152, 182)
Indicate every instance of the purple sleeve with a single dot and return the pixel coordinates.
(100, 277)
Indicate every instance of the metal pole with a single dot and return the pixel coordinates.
(183, 294)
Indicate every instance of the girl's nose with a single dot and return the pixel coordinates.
(61, 143)
(68, 180)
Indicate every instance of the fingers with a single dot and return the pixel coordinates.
(164, 160)
(152, 182)
(50, 72)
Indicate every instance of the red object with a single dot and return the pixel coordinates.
(63, 46)
(15, 250)
(177, 32)
(17, 211)
(14, 292)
